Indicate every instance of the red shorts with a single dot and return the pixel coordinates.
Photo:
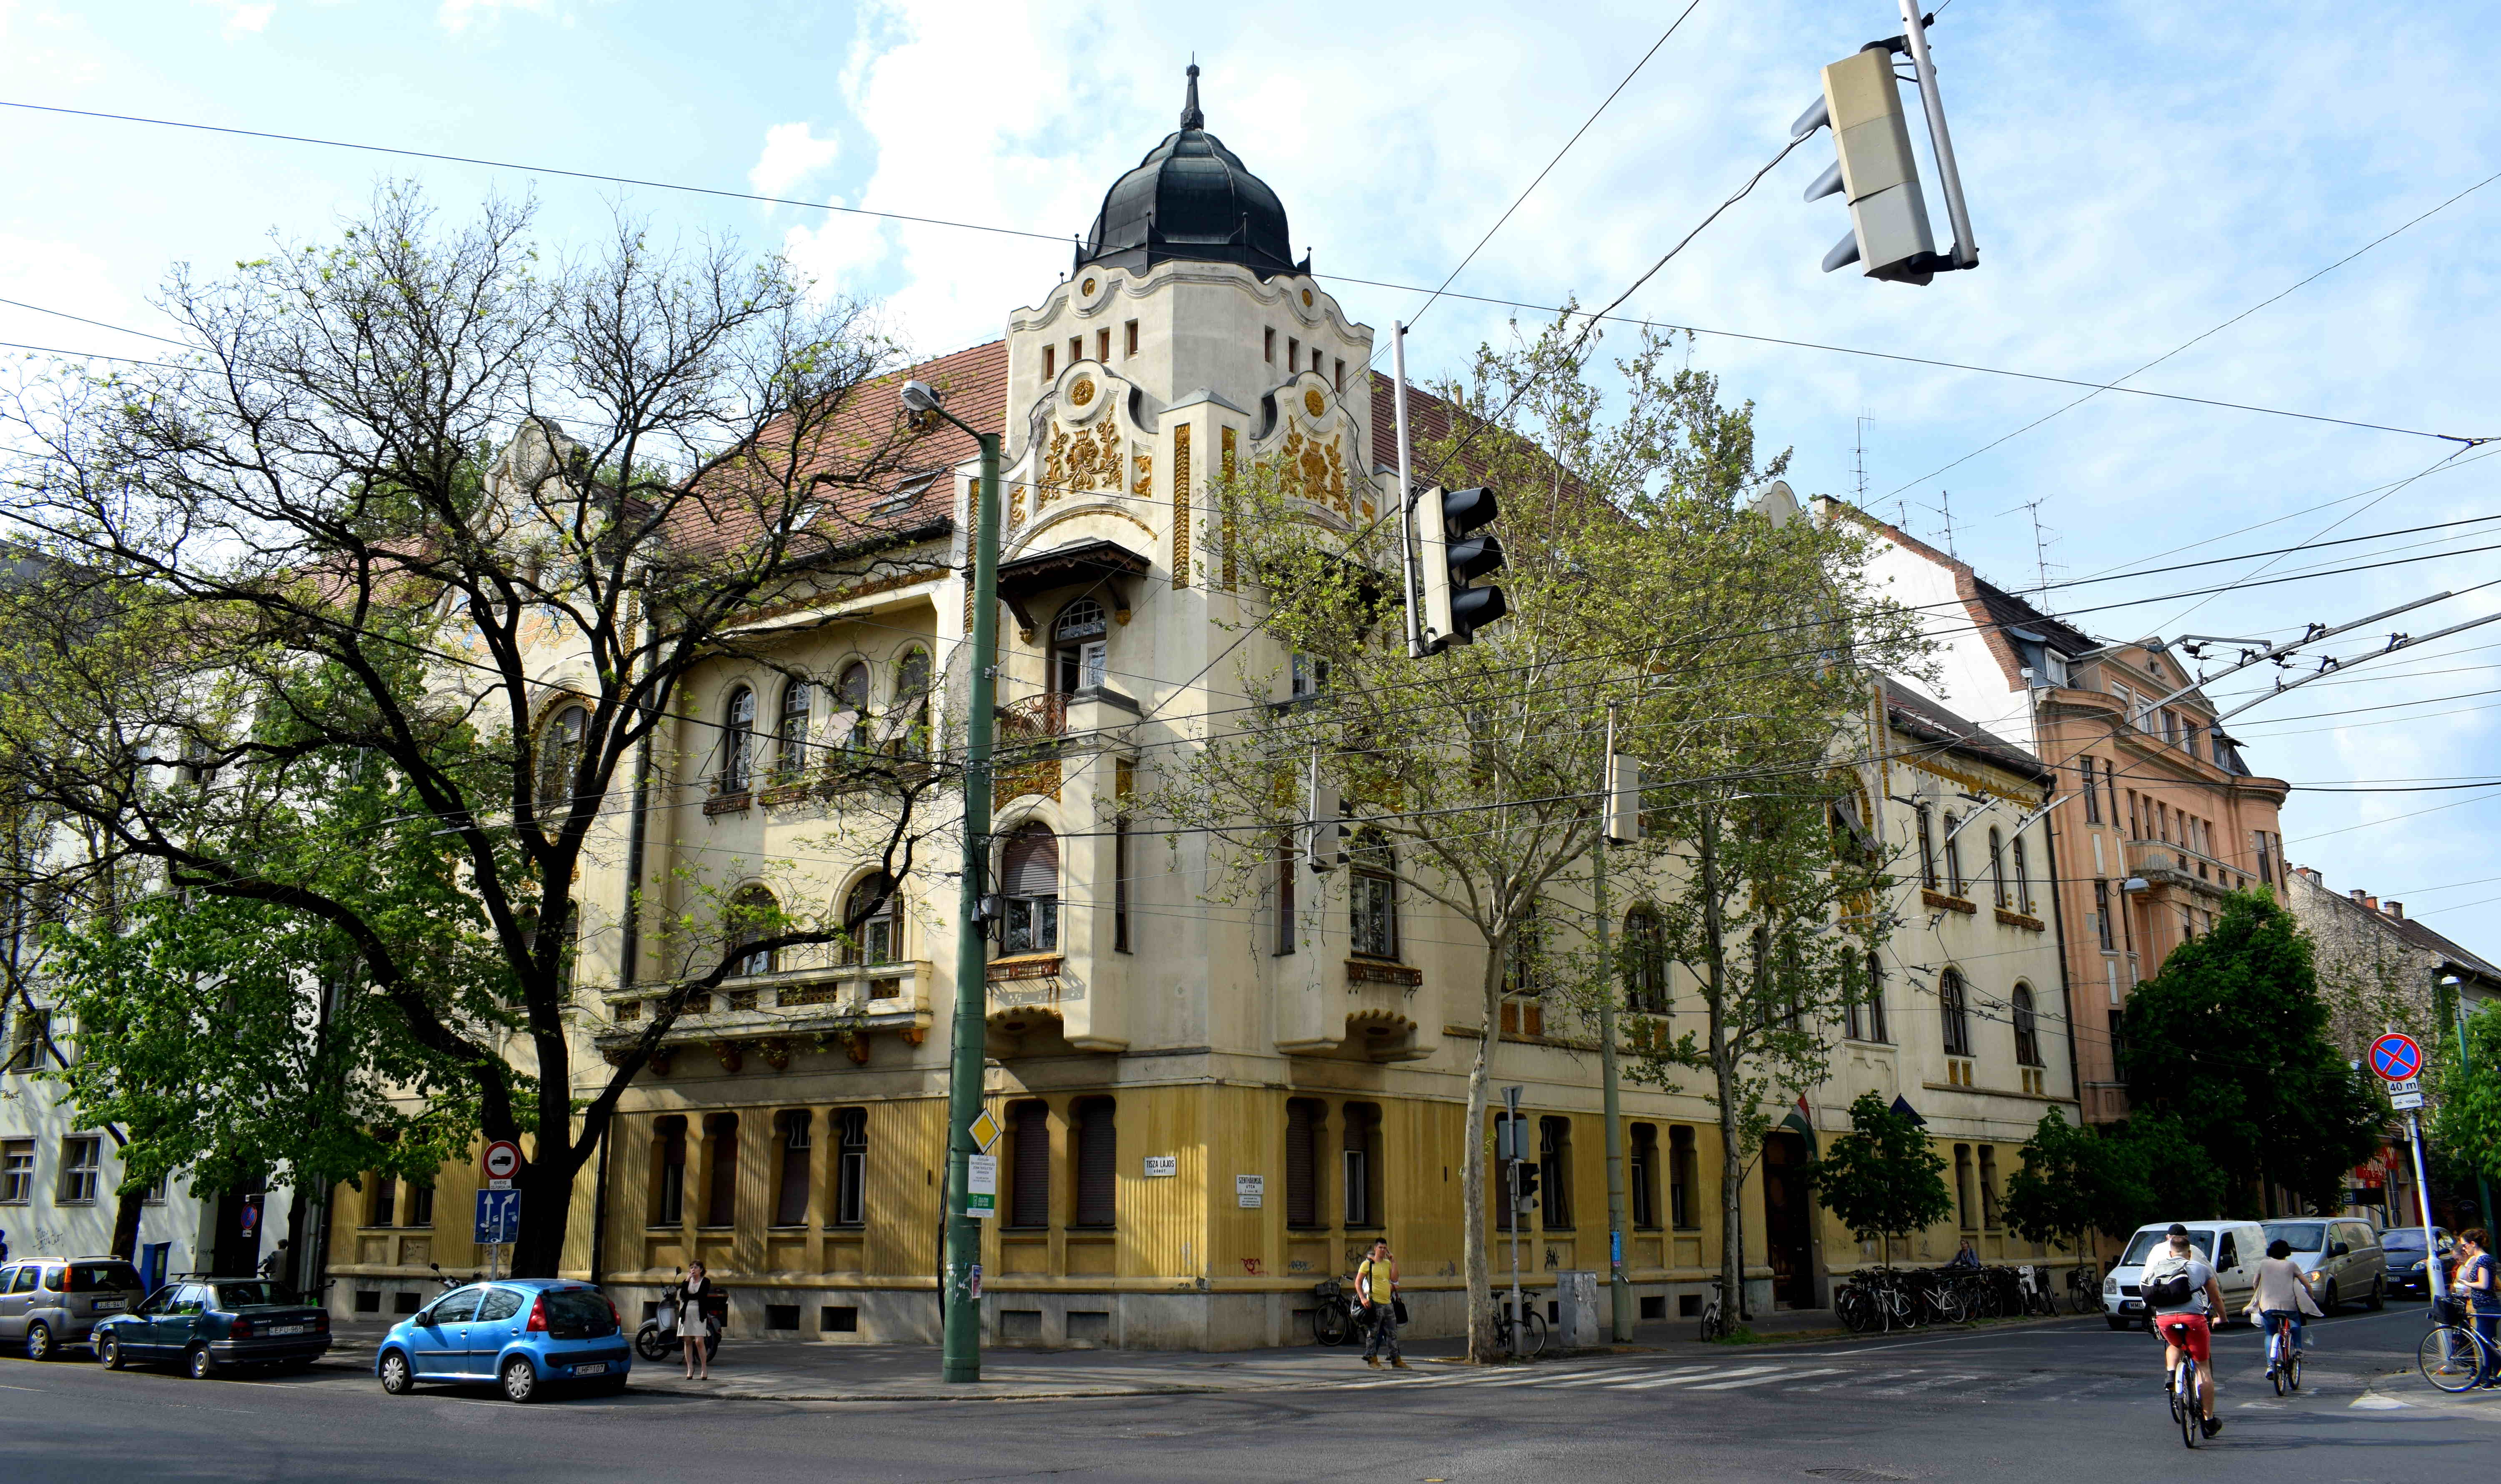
(2188, 1332)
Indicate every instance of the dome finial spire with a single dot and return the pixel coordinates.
(1190, 117)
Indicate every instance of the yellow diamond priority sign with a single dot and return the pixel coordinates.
(985, 1131)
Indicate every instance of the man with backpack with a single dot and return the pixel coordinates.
(1375, 1283)
(2180, 1287)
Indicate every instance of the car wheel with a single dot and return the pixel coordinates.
(198, 1364)
(2378, 1299)
(107, 1352)
(39, 1342)
(2328, 1305)
(520, 1379)
(396, 1376)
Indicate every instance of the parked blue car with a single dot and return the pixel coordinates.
(521, 1333)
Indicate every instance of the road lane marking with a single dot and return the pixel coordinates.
(1777, 1375)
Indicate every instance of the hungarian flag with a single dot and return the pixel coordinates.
(1800, 1119)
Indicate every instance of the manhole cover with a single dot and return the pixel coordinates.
(1858, 1475)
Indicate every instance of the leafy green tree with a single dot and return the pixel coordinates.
(2232, 1039)
(2466, 1101)
(1884, 1178)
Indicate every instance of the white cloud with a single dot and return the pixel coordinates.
(792, 154)
(243, 19)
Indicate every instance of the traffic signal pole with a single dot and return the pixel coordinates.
(1966, 253)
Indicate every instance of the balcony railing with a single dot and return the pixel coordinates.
(822, 998)
(1033, 718)
(2161, 862)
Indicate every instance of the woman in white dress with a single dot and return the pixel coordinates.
(693, 1332)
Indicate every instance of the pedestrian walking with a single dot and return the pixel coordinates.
(274, 1265)
(2476, 1284)
(1376, 1283)
(694, 1331)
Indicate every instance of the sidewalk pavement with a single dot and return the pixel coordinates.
(798, 1370)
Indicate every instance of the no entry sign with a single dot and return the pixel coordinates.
(2396, 1058)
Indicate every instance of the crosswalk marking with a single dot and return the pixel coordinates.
(1777, 1375)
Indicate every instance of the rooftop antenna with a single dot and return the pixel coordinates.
(1944, 508)
(2042, 541)
(1858, 458)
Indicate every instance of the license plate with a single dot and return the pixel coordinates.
(594, 1369)
(2131, 1306)
(109, 1306)
(288, 1328)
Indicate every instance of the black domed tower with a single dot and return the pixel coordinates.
(1190, 198)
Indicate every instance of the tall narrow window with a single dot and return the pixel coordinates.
(1129, 344)
(383, 1208)
(1854, 1000)
(721, 1170)
(1643, 1170)
(560, 757)
(1079, 647)
(1102, 345)
(1645, 963)
(420, 1205)
(1121, 882)
(1928, 850)
(1683, 1211)
(912, 702)
(1988, 1187)
(1875, 1005)
(2092, 792)
(1554, 1172)
(1029, 880)
(2027, 1028)
(2022, 879)
(1286, 875)
(1337, 376)
(738, 741)
(791, 1190)
(2110, 789)
(1293, 353)
(1304, 1117)
(2102, 915)
(2266, 862)
(669, 1172)
(874, 916)
(851, 1167)
(1966, 1205)
(1954, 860)
(1360, 1162)
(1098, 1160)
(1076, 349)
(850, 693)
(754, 915)
(1029, 1150)
(1955, 1008)
(2135, 816)
(1997, 866)
(790, 758)
(1375, 892)
(1050, 362)
(1268, 345)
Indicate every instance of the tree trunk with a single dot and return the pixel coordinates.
(125, 1225)
(1475, 1258)
(1723, 1074)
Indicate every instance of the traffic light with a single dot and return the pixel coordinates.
(1324, 842)
(1454, 555)
(1875, 168)
(1526, 1171)
(1624, 799)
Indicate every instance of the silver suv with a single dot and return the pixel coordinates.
(2339, 1257)
(46, 1303)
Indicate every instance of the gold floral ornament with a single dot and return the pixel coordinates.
(1088, 287)
(1311, 470)
(1307, 298)
(1141, 483)
(1082, 391)
(1313, 402)
(1088, 459)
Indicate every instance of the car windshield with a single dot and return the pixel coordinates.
(2152, 1244)
(102, 1277)
(245, 1295)
(2299, 1236)
(2408, 1238)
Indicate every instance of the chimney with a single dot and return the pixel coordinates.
(2397, 910)
(2359, 896)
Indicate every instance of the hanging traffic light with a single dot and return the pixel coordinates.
(1454, 555)
(1874, 167)
(1526, 1172)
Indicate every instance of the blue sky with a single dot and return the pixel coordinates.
(2139, 174)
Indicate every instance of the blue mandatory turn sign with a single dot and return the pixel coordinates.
(499, 1217)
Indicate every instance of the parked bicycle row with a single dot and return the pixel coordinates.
(1883, 1298)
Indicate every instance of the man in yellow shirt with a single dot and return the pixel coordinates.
(1376, 1283)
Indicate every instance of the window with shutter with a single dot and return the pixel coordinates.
(1097, 1155)
(1030, 1197)
(1029, 880)
(1303, 1118)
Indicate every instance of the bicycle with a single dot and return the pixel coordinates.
(2084, 1288)
(2284, 1362)
(1333, 1319)
(1526, 1339)
(2453, 1357)
(2183, 1387)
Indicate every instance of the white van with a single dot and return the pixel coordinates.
(2232, 1248)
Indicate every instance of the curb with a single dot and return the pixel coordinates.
(1067, 1394)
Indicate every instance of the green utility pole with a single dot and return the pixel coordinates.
(962, 1354)
(1619, 1289)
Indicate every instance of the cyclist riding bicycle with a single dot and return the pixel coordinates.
(2182, 1290)
(2283, 1297)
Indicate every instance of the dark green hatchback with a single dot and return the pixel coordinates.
(205, 1325)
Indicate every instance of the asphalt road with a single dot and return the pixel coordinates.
(2072, 1402)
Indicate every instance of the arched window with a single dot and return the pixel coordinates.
(1955, 1001)
(2027, 1028)
(912, 702)
(2022, 879)
(1997, 866)
(1373, 889)
(560, 756)
(1928, 850)
(874, 914)
(791, 756)
(1029, 880)
(738, 742)
(753, 915)
(851, 690)
(1645, 963)
(1079, 646)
